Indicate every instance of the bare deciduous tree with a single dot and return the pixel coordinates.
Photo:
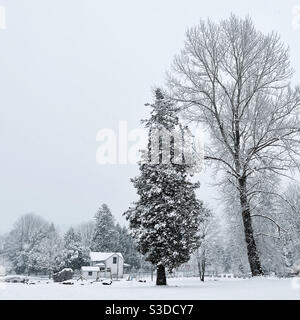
(22, 241)
(86, 230)
(206, 235)
(236, 81)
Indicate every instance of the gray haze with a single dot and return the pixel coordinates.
(69, 68)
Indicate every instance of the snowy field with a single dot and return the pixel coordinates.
(180, 288)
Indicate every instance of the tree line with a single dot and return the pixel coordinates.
(237, 83)
(35, 246)
(172, 227)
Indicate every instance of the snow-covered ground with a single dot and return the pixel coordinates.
(180, 288)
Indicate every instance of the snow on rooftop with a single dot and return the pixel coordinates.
(88, 268)
(102, 256)
(100, 264)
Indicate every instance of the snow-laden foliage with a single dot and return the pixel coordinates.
(32, 245)
(110, 237)
(127, 247)
(44, 258)
(276, 220)
(165, 220)
(105, 237)
(237, 82)
(288, 209)
(86, 231)
(74, 254)
(211, 256)
(35, 246)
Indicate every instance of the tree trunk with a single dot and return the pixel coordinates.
(253, 257)
(202, 277)
(199, 270)
(161, 276)
(152, 273)
(198, 263)
(203, 267)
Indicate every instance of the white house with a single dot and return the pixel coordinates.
(104, 265)
(89, 272)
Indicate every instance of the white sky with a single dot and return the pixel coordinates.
(69, 68)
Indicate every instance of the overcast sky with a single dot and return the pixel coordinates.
(69, 68)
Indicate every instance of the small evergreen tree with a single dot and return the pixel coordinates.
(74, 254)
(44, 256)
(127, 247)
(105, 238)
(165, 219)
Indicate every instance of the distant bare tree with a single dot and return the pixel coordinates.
(23, 240)
(236, 81)
(289, 206)
(205, 233)
(86, 231)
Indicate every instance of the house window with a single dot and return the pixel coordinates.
(90, 273)
(114, 260)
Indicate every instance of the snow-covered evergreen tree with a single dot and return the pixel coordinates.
(127, 247)
(74, 254)
(165, 220)
(44, 257)
(105, 238)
